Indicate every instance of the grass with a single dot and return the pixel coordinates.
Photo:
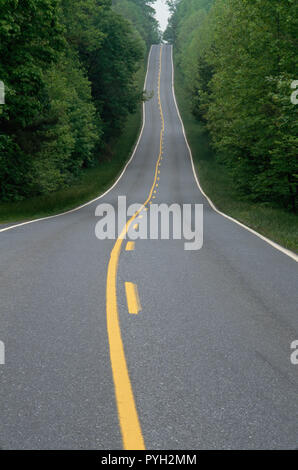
(275, 223)
(92, 183)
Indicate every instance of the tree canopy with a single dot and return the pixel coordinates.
(142, 16)
(69, 71)
(238, 59)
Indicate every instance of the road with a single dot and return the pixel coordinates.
(205, 364)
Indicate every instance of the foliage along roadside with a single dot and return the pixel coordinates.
(91, 183)
(69, 69)
(238, 59)
(276, 223)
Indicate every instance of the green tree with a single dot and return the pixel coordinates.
(142, 16)
(250, 116)
(111, 69)
(69, 70)
(238, 59)
(30, 39)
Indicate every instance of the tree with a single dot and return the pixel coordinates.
(69, 71)
(142, 16)
(238, 59)
(23, 61)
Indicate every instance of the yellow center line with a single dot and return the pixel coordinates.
(133, 300)
(130, 246)
(127, 412)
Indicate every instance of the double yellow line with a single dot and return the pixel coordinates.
(128, 417)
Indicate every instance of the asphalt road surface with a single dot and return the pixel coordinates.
(204, 360)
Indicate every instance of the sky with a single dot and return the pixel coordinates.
(162, 13)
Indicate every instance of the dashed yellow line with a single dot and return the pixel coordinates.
(130, 246)
(128, 417)
(133, 300)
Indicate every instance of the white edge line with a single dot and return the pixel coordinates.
(289, 253)
(110, 189)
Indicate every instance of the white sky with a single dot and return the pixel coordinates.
(162, 13)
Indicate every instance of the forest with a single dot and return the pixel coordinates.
(238, 59)
(69, 69)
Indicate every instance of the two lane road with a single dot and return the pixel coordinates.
(203, 360)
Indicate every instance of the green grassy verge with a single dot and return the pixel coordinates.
(275, 223)
(92, 182)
